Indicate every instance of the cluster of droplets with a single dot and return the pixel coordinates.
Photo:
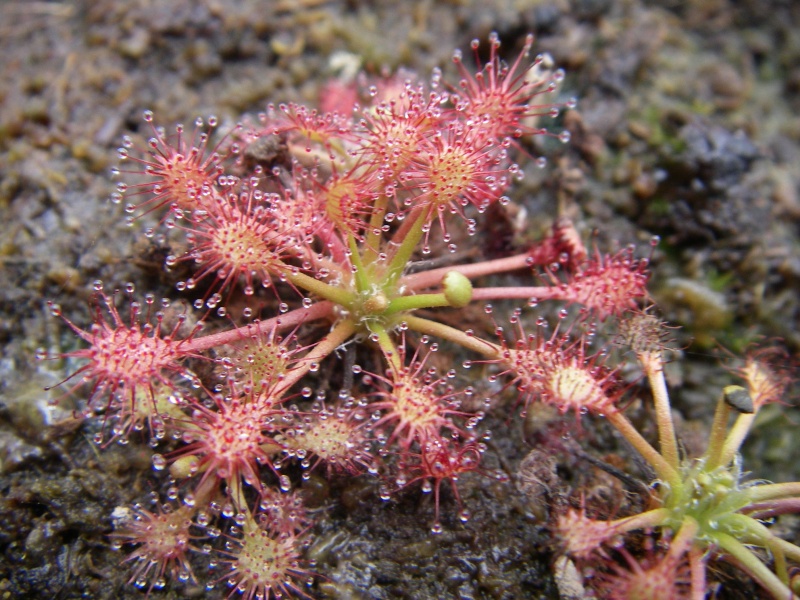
(338, 435)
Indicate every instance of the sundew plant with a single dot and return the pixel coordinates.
(344, 240)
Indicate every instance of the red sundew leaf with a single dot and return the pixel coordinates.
(129, 363)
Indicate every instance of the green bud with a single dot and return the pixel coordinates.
(457, 289)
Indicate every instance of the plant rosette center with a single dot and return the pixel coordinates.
(371, 304)
(712, 498)
(382, 305)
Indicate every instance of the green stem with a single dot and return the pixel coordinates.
(748, 530)
(387, 345)
(405, 226)
(737, 434)
(403, 303)
(335, 294)
(408, 243)
(360, 274)
(772, 491)
(719, 428)
(645, 520)
(454, 335)
(374, 235)
(751, 563)
(755, 532)
(788, 548)
(456, 293)
(683, 540)
(665, 471)
(779, 558)
(654, 368)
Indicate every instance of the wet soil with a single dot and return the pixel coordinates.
(687, 128)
